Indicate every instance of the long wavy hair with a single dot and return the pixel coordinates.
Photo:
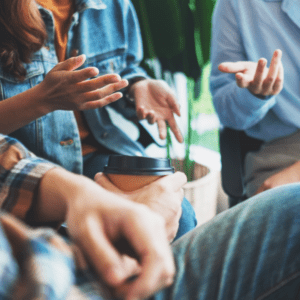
(22, 32)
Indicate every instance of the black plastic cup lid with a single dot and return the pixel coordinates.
(138, 165)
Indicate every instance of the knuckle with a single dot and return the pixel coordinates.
(169, 274)
(161, 187)
(167, 267)
(158, 220)
(142, 212)
(255, 90)
(277, 86)
(99, 94)
(181, 193)
(267, 184)
(269, 80)
(172, 235)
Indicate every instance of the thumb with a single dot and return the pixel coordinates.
(104, 181)
(232, 67)
(71, 63)
(174, 181)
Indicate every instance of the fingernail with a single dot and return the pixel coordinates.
(82, 56)
(97, 176)
(279, 52)
(117, 77)
(95, 71)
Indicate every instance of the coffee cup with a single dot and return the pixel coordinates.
(130, 173)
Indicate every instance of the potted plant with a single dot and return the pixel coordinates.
(202, 187)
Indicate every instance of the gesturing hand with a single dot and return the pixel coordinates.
(156, 102)
(256, 77)
(163, 196)
(67, 89)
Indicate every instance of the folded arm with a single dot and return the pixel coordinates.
(129, 237)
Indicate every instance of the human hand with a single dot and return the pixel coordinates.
(256, 77)
(156, 102)
(112, 232)
(67, 89)
(290, 174)
(163, 196)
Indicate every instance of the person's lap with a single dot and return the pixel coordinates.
(272, 158)
(95, 162)
(251, 251)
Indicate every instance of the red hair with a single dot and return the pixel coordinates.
(22, 32)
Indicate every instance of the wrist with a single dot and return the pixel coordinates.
(262, 97)
(129, 93)
(42, 104)
(57, 189)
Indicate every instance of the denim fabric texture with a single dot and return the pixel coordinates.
(107, 32)
(251, 251)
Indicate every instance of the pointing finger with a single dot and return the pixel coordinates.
(268, 83)
(173, 104)
(175, 129)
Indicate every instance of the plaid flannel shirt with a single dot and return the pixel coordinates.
(35, 263)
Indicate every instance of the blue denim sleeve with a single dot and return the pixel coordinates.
(134, 53)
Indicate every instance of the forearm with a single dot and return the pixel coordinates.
(134, 54)
(20, 110)
(57, 188)
(20, 174)
(236, 107)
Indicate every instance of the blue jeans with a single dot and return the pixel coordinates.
(95, 162)
(251, 251)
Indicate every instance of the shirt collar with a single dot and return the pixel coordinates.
(82, 5)
(85, 4)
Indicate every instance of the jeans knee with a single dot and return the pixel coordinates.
(285, 200)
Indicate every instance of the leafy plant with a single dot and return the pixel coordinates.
(182, 46)
(188, 164)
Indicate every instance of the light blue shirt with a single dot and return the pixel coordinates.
(246, 30)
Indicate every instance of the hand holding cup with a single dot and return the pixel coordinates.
(156, 189)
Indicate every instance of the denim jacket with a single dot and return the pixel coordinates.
(108, 33)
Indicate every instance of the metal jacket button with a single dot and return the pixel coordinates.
(104, 135)
(74, 52)
(67, 142)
